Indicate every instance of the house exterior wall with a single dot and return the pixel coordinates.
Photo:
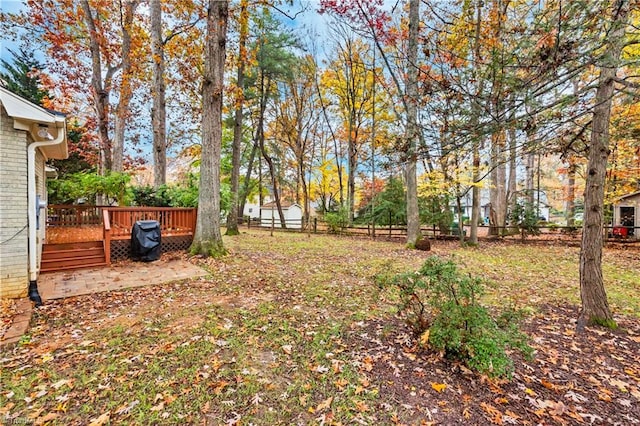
(14, 276)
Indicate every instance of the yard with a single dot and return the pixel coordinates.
(291, 329)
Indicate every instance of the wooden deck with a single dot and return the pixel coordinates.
(109, 227)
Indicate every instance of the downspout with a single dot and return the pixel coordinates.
(31, 196)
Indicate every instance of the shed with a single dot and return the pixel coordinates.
(292, 215)
(29, 136)
(626, 213)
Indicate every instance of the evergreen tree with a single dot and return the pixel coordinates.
(21, 76)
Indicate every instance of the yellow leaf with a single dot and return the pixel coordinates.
(409, 355)
(530, 392)
(424, 339)
(438, 387)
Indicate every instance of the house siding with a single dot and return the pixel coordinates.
(14, 276)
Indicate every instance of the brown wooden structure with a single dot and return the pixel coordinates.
(177, 227)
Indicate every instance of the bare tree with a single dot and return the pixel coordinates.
(234, 212)
(159, 108)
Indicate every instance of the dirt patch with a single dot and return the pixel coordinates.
(573, 379)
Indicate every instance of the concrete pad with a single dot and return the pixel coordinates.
(57, 285)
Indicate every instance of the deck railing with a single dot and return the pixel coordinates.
(73, 215)
(173, 221)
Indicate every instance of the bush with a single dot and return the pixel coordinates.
(337, 221)
(442, 306)
(526, 218)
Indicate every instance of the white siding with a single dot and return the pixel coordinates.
(14, 276)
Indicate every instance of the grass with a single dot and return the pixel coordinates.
(263, 339)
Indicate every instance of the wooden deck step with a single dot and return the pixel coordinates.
(67, 267)
(72, 246)
(58, 257)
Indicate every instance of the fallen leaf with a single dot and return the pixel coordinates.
(126, 409)
(361, 406)
(100, 421)
(547, 384)
(495, 415)
(558, 409)
(49, 417)
(619, 384)
(624, 402)
(438, 387)
(424, 339)
(325, 404)
(341, 383)
(60, 383)
(158, 407)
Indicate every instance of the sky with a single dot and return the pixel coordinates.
(8, 6)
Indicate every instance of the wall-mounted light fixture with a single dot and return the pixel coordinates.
(44, 134)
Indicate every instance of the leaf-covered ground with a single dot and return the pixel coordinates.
(291, 329)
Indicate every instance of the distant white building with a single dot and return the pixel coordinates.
(292, 215)
(251, 210)
(626, 215)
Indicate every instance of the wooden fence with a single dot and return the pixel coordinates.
(549, 232)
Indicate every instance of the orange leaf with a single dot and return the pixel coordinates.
(438, 387)
(494, 413)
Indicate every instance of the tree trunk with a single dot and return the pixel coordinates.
(413, 214)
(571, 190)
(513, 157)
(126, 88)
(498, 194)
(100, 91)
(159, 108)
(530, 169)
(232, 217)
(264, 95)
(595, 307)
(475, 118)
(247, 179)
(208, 240)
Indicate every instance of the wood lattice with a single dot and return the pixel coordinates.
(121, 249)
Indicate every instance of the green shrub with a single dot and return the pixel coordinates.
(526, 218)
(337, 221)
(442, 306)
